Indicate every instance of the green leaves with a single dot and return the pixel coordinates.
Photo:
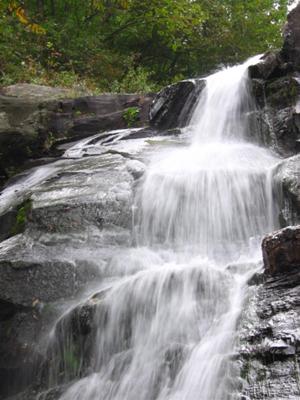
(126, 45)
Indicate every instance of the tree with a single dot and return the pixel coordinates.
(104, 42)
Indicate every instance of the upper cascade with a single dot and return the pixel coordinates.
(223, 106)
(214, 195)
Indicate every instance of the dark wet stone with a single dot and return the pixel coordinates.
(269, 345)
(286, 179)
(173, 106)
(281, 250)
(34, 119)
(291, 46)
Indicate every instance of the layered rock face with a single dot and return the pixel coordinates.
(276, 87)
(34, 119)
(77, 217)
(270, 340)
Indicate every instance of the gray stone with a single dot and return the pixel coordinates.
(286, 179)
(281, 250)
(35, 119)
(174, 105)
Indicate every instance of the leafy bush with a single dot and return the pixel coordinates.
(131, 115)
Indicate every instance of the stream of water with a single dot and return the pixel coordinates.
(200, 212)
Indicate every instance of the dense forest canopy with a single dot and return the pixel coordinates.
(131, 45)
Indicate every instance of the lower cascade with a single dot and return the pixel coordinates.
(162, 323)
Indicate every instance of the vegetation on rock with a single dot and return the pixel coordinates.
(131, 115)
(22, 216)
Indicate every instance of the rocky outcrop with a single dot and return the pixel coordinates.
(269, 338)
(174, 105)
(291, 48)
(276, 87)
(33, 119)
(286, 179)
(281, 250)
(76, 219)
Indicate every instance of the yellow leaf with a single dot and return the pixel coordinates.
(20, 13)
(35, 28)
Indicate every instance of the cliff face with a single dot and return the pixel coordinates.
(276, 87)
(269, 338)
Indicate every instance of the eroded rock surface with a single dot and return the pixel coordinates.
(33, 119)
(281, 250)
(287, 187)
(276, 87)
(173, 105)
(270, 334)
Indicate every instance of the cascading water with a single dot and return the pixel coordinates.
(166, 322)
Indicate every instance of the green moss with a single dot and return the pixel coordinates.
(131, 115)
(71, 360)
(22, 216)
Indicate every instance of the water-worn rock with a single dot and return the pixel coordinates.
(291, 47)
(281, 250)
(270, 325)
(276, 87)
(173, 105)
(278, 113)
(272, 66)
(33, 119)
(80, 212)
(286, 179)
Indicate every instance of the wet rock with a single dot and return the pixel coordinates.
(34, 119)
(291, 47)
(71, 351)
(33, 393)
(81, 117)
(269, 334)
(22, 282)
(277, 116)
(35, 92)
(281, 250)
(92, 191)
(270, 338)
(286, 179)
(20, 356)
(136, 168)
(276, 88)
(174, 105)
(272, 66)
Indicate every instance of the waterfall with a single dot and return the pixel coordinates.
(166, 325)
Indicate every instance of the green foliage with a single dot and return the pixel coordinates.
(136, 80)
(71, 360)
(131, 115)
(130, 45)
(21, 218)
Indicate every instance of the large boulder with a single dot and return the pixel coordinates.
(269, 346)
(34, 119)
(278, 113)
(281, 250)
(291, 47)
(174, 105)
(276, 88)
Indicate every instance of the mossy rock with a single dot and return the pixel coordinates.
(23, 214)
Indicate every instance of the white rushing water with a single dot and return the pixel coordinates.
(170, 317)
